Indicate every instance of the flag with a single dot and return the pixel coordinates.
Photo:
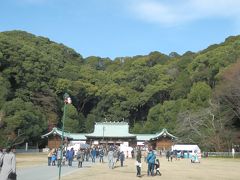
(68, 100)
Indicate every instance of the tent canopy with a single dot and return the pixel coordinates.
(186, 147)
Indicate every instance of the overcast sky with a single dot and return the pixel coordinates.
(117, 28)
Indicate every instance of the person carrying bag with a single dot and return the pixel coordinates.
(8, 171)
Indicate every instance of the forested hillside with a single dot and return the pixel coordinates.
(196, 96)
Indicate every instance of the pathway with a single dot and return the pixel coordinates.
(48, 172)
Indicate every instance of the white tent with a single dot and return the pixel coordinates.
(126, 149)
(190, 148)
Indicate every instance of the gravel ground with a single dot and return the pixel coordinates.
(35, 167)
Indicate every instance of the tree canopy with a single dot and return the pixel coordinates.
(194, 95)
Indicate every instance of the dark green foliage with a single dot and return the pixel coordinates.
(29, 69)
(23, 117)
(150, 92)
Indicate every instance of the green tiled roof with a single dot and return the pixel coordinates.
(56, 131)
(163, 133)
(111, 129)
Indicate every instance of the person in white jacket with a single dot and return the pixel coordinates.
(111, 158)
(9, 164)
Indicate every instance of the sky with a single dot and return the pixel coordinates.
(120, 28)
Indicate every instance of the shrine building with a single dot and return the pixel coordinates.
(112, 133)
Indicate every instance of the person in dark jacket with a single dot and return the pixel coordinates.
(101, 154)
(157, 167)
(122, 158)
(138, 162)
(168, 155)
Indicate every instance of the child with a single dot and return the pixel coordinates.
(138, 165)
(157, 166)
(54, 157)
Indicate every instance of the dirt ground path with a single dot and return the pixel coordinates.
(26, 160)
(211, 169)
(208, 169)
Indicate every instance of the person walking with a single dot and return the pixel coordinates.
(138, 162)
(8, 166)
(50, 157)
(54, 158)
(151, 162)
(145, 153)
(59, 154)
(80, 157)
(64, 157)
(122, 158)
(132, 154)
(71, 156)
(67, 156)
(110, 159)
(171, 155)
(168, 156)
(157, 167)
(93, 154)
(87, 154)
(101, 154)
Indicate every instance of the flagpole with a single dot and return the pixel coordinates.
(67, 100)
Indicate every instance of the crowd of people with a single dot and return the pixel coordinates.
(58, 156)
(111, 154)
(170, 155)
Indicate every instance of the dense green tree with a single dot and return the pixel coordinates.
(4, 86)
(200, 94)
(72, 119)
(149, 91)
(23, 117)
